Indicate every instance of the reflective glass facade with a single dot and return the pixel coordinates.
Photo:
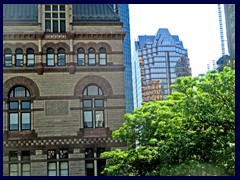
(123, 11)
(162, 59)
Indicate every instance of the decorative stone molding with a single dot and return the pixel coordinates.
(93, 80)
(55, 46)
(20, 80)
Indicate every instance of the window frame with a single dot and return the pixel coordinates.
(8, 53)
(55, 18)
(19, 57)
(30, 59)
(93, 102)
(80, 51)
(102, 51)
(91, 60)
(19, 109)
(61, 52)
(50, 51)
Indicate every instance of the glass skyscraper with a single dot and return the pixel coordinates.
(162, 59)
(123, 11)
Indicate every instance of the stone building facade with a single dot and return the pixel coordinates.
(63, 88)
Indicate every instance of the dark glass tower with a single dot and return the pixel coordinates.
(123, 11)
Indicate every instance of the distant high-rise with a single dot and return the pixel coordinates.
(230, 28)
(123, 11)
(162, 59)
(221, 28)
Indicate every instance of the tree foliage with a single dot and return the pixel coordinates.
(192, 132)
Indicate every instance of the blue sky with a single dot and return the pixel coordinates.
(197, 26)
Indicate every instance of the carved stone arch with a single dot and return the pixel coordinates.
(8, 46)
(18, 46)
(91, 45)
(104, 45)
(21, 81)
(30, 45)
(64, 46)
(48, 45)
(79, 45)
(93, 80)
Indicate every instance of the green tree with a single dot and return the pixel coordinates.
(192, 132)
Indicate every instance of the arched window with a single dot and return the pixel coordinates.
(91, 57)
(19, 114)
(8, 58)
(93, 107)
(81, 57)
(50, 57)
(102, 56)
(61, 57)
(30, 57)
(19, 58)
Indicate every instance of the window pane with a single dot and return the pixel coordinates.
(13, 124)
(88, 123)
(63, 154)
(48, 25)
(50, 59)
(63, 172)
(13, 156)
(47, 8)
(55, 15)
(26, 167)
(62, 7)
(25, 105)
(62, 26)
(25, 121)
(13, 169)
(25, 155)
(55, 26)
(13, 105)
(92, 90)
(99, 118)
(19, 92)
(87, 103)
(89, 153)
(52, 166)
(63, 165)
(47, 15)
(98, 103)
(62, 15)
(61, 59)
(51, 154)
(55, 8)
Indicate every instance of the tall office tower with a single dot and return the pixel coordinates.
(221, 29)
(63, 88)
(137, 84)
(123, 11)
(162, 59)
(229, 10)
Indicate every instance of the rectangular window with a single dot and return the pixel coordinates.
(80, 59)
(8, 60)
(100, 162)
(102, 58)
(51, 154)
(99, 118)
(99, 103)
(87, 103)
(25, 169)
(61, 60)
(55, 26)
(25, 121)
(88, 121)
(63, 154)
(63, 168)
(25, 155)
(25, 105)
(62, 25)
(50, 60)
(13, 105)
(89, 164)
(52, 169)
(30, 60)
(13, 120)
(13, 169)
(13, 156)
